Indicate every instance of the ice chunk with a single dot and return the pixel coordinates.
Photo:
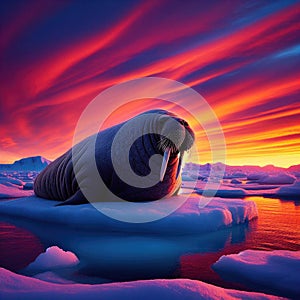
(267, 271)
(223, 191)
(281, 178)
(235, 181)
(292, 190)
(53, 258)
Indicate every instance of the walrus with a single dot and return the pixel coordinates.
(159, 132)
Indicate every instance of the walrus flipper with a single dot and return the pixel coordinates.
(77, 198)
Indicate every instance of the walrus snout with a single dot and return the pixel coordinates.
(176, 138)
(176, 135)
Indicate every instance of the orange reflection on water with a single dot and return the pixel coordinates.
(278, 224)
(277, 227)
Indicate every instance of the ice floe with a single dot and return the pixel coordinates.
(266, 271)
(191, 217)
(292, 190)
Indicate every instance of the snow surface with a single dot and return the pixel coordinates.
(256, 187)
(267, 271)
(235, 175)
(290, 190)
(256, 175)
(13, 187)
(53, 258)
(189, 218)
(13, 191)
(10, 181)
(223, 191)
(14, 286)
(52, 277)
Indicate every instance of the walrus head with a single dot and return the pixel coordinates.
(176, 137)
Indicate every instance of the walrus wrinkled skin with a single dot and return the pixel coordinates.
(58, 181)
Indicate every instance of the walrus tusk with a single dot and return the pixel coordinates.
(179, 164)
(164, 163)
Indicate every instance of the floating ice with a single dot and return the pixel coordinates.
(223, 191)
(266, 271)
(292, 190)
(53, 258)
(189, 218)
(235, 181)
(281, 178)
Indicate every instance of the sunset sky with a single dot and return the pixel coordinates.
(241, 56)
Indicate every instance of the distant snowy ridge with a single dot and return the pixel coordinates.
(240, 170)
(36, 163)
